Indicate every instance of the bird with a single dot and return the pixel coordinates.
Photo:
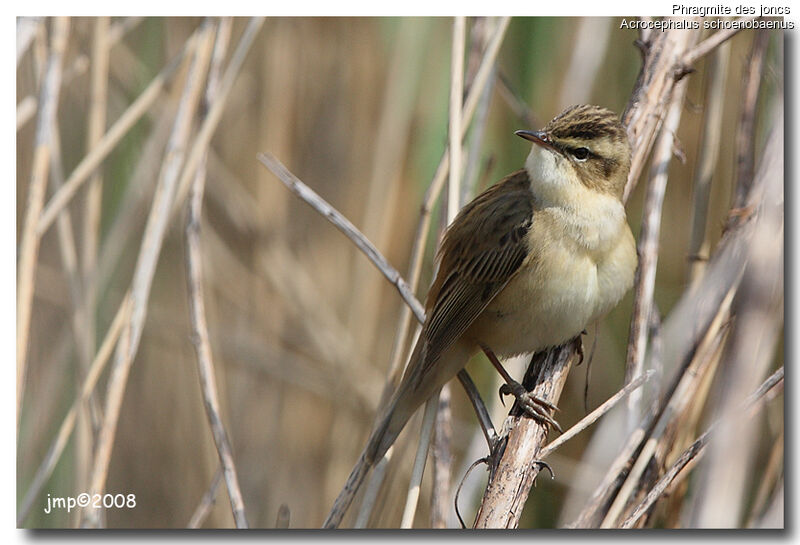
(525, 266)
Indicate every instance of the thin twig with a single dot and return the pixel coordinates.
(319, 204)
(372, 489)
(150, 249)
(197, 313)
(30, 238)
(439, 413)
(596, 414)
(441, 452)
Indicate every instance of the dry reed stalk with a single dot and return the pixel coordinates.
(98, 105)
(515, 468)
(752, 405)
(707, 164)
(89, 416)
(712, 42)
(296, 186)
(436, 412)
(770, 481)
(687, 320)
(87, 166)
(745, 131)
(758, 308)
(27, 27)
(586, 61)
(664, 64)
(647, 248)
(150, 249)
(211, 121)
(415, 482)
(30, 238)
(194, 276)
(442, 458)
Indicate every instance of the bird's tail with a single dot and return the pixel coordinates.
(379, 442)
(414, 389)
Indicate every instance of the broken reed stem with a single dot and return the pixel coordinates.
(152, 240)
(197, 314)
(30, 238)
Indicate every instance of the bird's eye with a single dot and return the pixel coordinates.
(581, 154)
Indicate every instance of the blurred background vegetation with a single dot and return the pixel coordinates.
(301, 324)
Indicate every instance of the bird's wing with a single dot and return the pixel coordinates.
(481, 252)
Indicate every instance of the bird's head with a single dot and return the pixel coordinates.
(584, 145)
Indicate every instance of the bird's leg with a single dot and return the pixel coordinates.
(535, 407)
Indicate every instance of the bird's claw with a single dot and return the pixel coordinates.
(544, 465)
(535, 407)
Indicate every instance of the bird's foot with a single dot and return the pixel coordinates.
(534, 406)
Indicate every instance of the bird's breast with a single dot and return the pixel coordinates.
(560, 288)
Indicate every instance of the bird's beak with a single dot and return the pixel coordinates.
(540, 138)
